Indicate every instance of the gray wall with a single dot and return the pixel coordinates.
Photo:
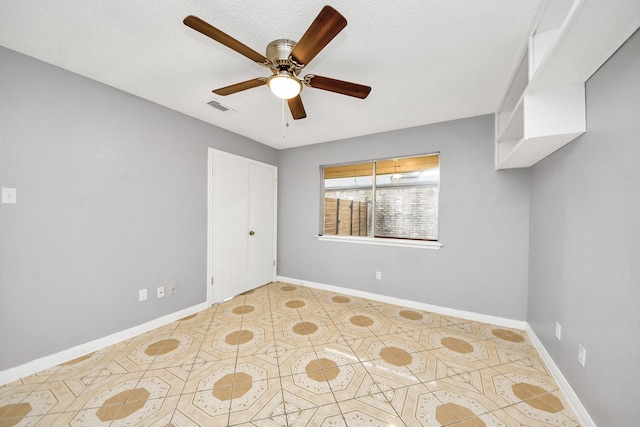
(112, 198)
(484, 223)
(585, 246)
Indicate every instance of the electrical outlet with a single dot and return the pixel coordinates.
(9, 195)
(160, 292)
(142, 295)
(582, 355)
(378, 275)
(172, 289)
(558, 331)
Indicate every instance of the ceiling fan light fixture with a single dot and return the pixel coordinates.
(284, 85)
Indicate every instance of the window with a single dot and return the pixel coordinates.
(389, 198)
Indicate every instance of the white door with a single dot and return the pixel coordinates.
(242, 225)
(262, 220)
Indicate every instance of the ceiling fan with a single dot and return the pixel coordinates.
(286, 58)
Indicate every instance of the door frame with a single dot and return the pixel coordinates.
(210, 210)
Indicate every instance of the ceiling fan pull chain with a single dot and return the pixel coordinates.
(283, 118)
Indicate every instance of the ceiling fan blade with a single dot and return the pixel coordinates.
(296, 107)
(323, 29)
(337, 86)
(239, 87)
(221, 37)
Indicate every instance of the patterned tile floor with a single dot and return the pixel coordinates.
(284, 355)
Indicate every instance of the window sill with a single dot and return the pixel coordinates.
(382, 242)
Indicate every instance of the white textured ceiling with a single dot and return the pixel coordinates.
(426, 60)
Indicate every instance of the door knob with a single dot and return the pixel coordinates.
(251, 233)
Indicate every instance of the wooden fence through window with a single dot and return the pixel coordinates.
(345, 217)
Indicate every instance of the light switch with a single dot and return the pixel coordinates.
(9, 195)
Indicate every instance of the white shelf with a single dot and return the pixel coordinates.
(513, 127)
(527, 152)
(550, 111)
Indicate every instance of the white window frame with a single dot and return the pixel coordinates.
(380, 241)
(406, 243)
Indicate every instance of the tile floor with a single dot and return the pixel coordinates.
(285, 355)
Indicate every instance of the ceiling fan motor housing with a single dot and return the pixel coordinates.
(278, 52)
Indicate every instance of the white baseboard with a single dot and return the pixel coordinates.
(583, 416)
(485, 318)
(30, 368)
